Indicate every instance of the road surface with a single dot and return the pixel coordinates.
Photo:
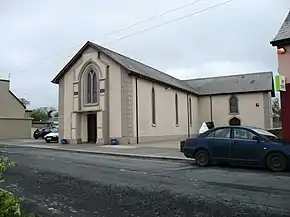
(82, 185)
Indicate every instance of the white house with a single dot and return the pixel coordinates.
(104, 95)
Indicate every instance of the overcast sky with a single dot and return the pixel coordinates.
(38, 37)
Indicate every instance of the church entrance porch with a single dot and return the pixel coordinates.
(87, 127)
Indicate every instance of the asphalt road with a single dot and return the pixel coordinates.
(70, 184)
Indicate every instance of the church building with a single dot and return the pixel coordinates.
(105, 95)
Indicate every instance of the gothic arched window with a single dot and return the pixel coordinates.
(95, 88)
(176, 110)
(234, 104)
(92, 87)
(190, 112)
(153, 106)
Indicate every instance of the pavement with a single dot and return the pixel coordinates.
(68, 184)
(166, 150)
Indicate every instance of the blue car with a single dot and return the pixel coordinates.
(238, 145)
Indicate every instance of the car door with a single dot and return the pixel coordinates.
(246, 146)
(219, 143)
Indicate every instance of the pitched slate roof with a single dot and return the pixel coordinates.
(283, 35)
(250, 82)
(133, 66)
(204, 86)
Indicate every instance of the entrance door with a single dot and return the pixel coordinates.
(92, 128)
(235, 122)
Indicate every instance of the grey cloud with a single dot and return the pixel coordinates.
(38, 37)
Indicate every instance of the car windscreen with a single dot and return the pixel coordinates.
(54, 130)
(265, 133)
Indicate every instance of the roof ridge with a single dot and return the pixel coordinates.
(128, 57)
(180, 80)
(133, 60)
(283, 35)
(227, 76)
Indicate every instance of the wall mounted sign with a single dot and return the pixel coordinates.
(280, 82)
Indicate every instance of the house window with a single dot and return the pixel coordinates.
(153, 106)
(92, 87)
(234, 104)
(176, 110)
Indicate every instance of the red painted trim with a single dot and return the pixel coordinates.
(285, 113)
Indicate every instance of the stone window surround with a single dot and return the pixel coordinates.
(91, 87)
(87, 67)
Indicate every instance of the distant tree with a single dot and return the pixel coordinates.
(276, 109)
(49, 111)
(24, 101)
(42, 113)
(39, 115)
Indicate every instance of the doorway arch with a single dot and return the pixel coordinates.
(235, 122)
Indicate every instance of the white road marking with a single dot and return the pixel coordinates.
(8, 152)
(119, 146)
(134, 171)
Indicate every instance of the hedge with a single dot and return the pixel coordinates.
(9, 204)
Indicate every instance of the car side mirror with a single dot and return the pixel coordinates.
(256, 138)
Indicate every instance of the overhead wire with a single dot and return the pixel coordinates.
(170, 21)
(152, 18)
(137, 23)
(159, 25)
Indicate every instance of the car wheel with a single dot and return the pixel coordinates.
(47, 141)
(202, 158)
(276, 162)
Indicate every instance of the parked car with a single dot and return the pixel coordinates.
(238, 145)
(40, 133)
(52, 136)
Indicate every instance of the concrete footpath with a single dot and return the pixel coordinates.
(165, 150)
